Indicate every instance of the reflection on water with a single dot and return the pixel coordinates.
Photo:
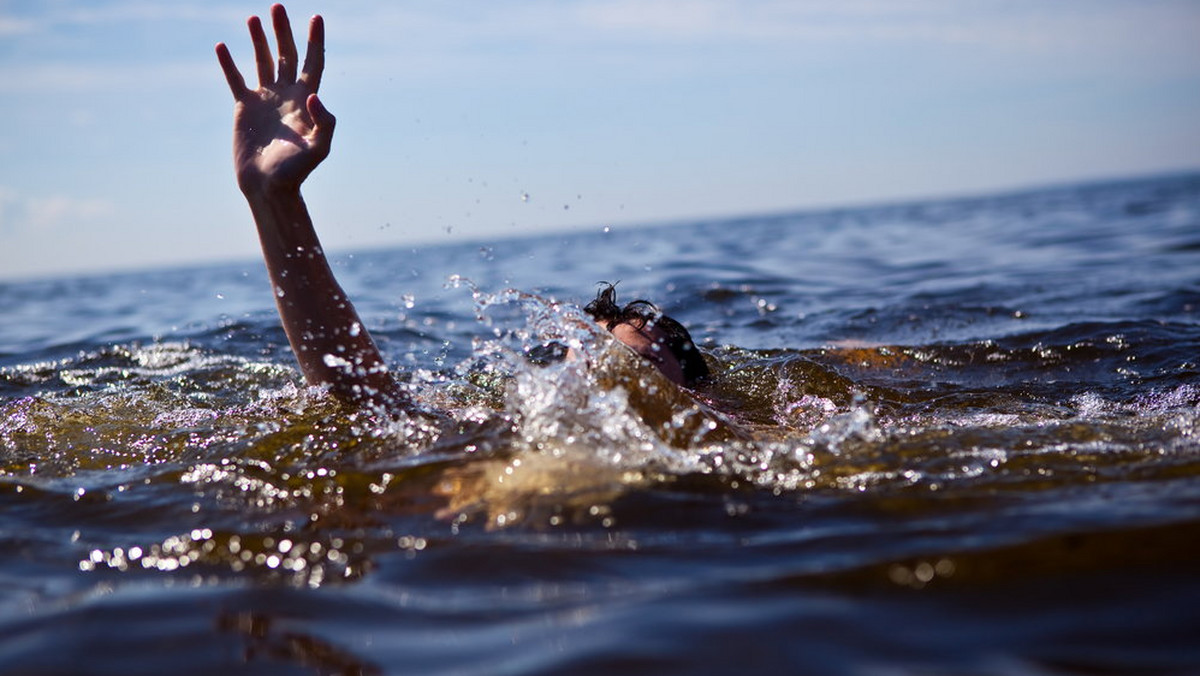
(950, 437)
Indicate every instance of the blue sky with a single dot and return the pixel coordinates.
(493, 119)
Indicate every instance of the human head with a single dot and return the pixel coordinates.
(644, 328)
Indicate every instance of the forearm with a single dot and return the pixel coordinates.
(331, 345)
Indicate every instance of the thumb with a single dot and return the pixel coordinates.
(320, 115)
(323, 121)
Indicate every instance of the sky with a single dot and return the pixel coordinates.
(486, 120)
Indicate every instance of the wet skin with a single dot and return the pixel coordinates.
(650, 342)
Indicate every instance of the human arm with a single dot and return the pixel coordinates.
(281, 133)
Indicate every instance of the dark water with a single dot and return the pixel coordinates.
(951, 437)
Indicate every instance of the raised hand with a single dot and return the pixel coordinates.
(281, 130)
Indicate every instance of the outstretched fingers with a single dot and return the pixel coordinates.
(287, 45)
(262, 52)
(314, 58)
(237, 84)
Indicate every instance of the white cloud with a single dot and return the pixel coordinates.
(135, 11)
(41, 213)
(433, 39)
(436, 38)
(10, 26)
(1061, 26)
(662, 18)
(740, 20)
(78, 77)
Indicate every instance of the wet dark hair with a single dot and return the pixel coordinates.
(641, 313)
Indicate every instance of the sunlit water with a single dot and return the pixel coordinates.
(950, 437)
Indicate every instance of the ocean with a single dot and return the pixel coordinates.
(955, 436)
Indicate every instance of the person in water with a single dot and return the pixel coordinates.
(281, 132)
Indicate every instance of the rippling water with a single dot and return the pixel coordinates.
(949, 437)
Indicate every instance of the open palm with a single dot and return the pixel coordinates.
(281, 130)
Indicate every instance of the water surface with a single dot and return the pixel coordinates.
(945, 437)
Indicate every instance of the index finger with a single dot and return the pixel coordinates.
(237, 84)
(314, 58)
